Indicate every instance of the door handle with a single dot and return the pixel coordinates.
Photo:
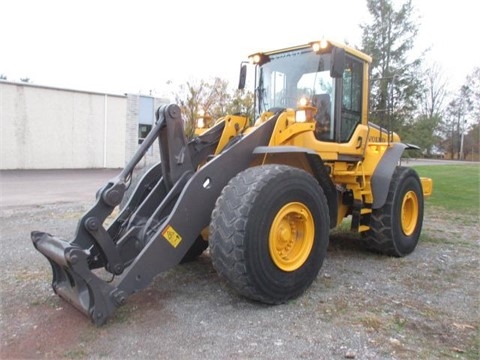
(359, 142)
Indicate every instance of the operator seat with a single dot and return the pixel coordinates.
(323, 117)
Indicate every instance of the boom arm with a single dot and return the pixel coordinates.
(153, 235)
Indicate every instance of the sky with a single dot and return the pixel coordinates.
(148, 46)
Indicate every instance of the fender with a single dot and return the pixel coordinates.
(319, 172)
(382, 175)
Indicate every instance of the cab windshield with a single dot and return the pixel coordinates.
(289, 76)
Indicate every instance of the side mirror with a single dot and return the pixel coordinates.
(243, 77)
(338, 63)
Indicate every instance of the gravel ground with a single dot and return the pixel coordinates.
(361, 306)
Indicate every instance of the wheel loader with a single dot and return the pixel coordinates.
(262, 194)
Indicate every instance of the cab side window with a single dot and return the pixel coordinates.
(352, 98)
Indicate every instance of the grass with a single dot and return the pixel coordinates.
(456, 188)
(372, 321)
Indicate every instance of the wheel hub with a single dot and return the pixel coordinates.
(291, 236)
(409, 213)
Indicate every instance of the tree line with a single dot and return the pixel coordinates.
(406, 94)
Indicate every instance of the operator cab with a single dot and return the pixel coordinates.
(321, 74)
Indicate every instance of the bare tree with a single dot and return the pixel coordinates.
(473, 84)
(242, 103)
(214, 99)
(435, 92)
(455, 122)
(423, 130)
(471, 144)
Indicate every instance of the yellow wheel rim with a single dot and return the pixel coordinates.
(291, 236)
(409, 213)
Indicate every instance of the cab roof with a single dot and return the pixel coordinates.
(348, 49)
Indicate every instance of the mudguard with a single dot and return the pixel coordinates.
(382, 175)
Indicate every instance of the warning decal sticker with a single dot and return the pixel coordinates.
(172, 236)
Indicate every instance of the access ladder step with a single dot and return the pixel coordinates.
(360, 217)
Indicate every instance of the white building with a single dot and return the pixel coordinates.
(52, 128)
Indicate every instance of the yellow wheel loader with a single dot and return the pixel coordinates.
(262, 194)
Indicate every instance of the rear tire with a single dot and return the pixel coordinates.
(395, 227)
(269, 232)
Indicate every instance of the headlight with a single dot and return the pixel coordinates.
(320, 46)
(303, 102)
(200, 123)
(300, 116)
(305, 113)
(259, 59)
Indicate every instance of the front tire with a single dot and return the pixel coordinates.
(395, 227)
(269, 232)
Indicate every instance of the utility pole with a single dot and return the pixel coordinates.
(461, 156)
(462, 136)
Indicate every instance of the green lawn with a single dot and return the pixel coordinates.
(455, 187)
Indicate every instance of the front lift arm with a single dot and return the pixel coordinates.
(154, 235)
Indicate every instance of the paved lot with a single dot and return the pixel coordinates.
(38, 187)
